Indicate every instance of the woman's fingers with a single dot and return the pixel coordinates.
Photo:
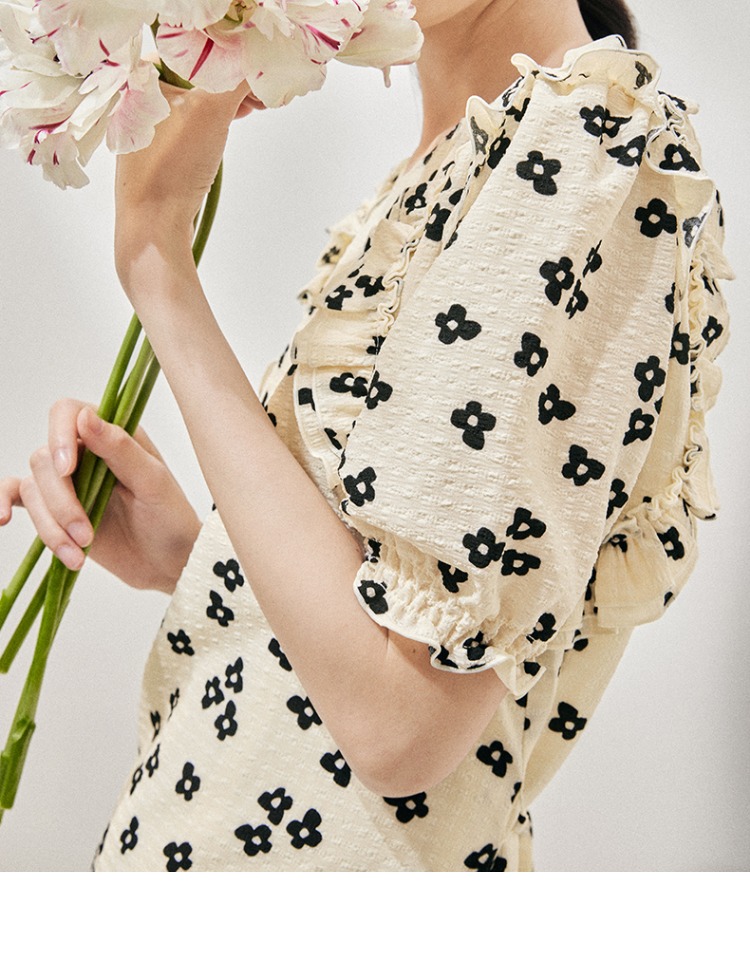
(63, 434)
(60, 499)
(137, 468)
(49, 530)
(9, 497)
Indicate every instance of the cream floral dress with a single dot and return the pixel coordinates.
(500, 386)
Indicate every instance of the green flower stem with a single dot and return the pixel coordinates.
(10, 593)
(23, 726)
(25, 624)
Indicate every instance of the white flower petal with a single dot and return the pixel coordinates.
(141, 106)
(388, 36)
(212, 59)
(85, 32)
(192, 14)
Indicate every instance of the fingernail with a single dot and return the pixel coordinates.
(80, 533)
(62, 461)
(70, 556)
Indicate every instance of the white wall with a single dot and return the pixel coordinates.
(659, 782)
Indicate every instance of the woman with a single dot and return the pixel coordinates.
(475, 468)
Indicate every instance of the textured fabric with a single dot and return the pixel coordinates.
(500, 386)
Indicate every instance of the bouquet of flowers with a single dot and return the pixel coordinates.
(72, 76)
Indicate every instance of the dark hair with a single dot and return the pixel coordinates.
(603, 17)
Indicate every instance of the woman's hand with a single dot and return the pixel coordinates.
(159, 190)
(148, 528)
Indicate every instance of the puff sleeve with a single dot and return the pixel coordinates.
(518, 392)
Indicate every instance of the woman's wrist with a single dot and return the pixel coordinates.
(149, 263)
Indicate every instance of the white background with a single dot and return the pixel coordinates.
(659, 781)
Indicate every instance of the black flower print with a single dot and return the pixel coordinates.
(498, 149)
(620, 541)
(348, 383)
(559, 277)
(417, 200)
(189, 783)
(673, 546)
(486, 860)
(373, 594)
(370, 286)
(495, 756)
(518, 113)
(544, 630)
(712, 331)
(567, 722)
(155, 723)
(594, 260)
(518, 563)
(690, 228)
(641, 427)
(305, 397)
(129, 836)
(180, 643)
(644, 75)
(481, 137)
(532, 356)
(152, 762)
(334, 763)
(678, 157)
(629, 154)
(377, 343)
(225, 723)
(452, 576)
(233, 673)
(255, 839)
(373, 550)
(136, 778)
(330, 256)
(276, 804)
(407, 808)
(540, 172)
(600, 123)
(331, 434)
(483, 547)
(578, 301)
(443, 657)
(217, 611)
(290, 371)
(173, 698)
(650, 376)
(304, 832)
(213, 695)
(474, 422)
(524, 526)
(379, 392)
(276, 650)
(680, 346)
(436, 224)
(581, 468)
(617, 496)
(360, 488)
(656, 219)
(306, 714)
(553, 407)
(454, 324)
(669, 299)
(475, 647)
(580, 642)
(335, 300)
(178, 856)
(230, 573)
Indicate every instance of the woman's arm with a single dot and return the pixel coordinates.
(401, 724)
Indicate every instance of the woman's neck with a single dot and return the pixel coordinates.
(469, 53)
